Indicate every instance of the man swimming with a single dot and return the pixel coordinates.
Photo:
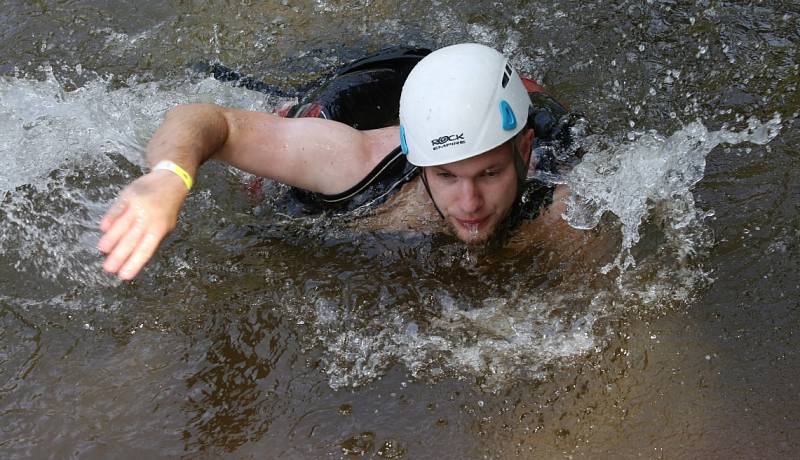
(465, 133)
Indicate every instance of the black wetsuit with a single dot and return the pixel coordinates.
(366, 95)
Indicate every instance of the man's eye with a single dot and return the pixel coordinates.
(445, 175)
(491, 172)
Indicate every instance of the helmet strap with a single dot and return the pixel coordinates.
(515, 213)
(424, 178)
(519, 166)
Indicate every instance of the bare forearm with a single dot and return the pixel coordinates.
(189, 135)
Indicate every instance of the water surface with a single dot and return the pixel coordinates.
(252, 335)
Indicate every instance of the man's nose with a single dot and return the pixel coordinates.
(471, 199)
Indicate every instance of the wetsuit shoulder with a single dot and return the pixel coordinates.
(364, 94)
(377, 186)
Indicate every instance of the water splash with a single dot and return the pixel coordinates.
(630, 179)
(495, 338)
(67, 153)
(513, 326)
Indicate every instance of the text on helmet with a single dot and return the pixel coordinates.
(447, 141)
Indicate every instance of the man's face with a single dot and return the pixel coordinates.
(475, 194)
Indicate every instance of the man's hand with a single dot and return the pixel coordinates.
(145, 212)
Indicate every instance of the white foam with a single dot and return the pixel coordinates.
(49, 137)
(627, 179)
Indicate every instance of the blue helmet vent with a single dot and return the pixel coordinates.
(509, 120)
(403, 143)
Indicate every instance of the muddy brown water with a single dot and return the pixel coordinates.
(256, 336)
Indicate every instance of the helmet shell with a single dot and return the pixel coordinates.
(458, 102)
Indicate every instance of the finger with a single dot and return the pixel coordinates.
(112, 214)
(147, 247)
(124, 247)
(121, 226)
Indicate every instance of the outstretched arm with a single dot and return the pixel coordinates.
(318, 155)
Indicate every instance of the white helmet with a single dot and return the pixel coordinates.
(458, 102)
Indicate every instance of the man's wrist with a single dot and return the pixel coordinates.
(167, 165)
(174, 184)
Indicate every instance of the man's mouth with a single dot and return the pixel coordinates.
(471, 224)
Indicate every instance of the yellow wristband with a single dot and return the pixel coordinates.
(170, 166)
